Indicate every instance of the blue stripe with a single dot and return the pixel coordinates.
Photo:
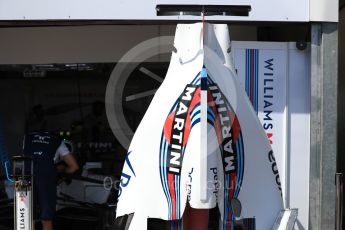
(256, 76)
(209, 117)
(196, 108)
(210, 122)
(195, 122)
(196, 117)
(255, 82)
(174, 106)
(166, 186)
(247, 72)
(195, 112)
(210, 112)
(239, 159)
(176, 195)
(243, 159)
(204, 79)
(162, 171)
(129, 163)
(232, 222)
(196, 79)
(257, 79)
(7, 169)
(165, 176)
(171, 225)
(239, 168)
(163, 166)
(209, 80)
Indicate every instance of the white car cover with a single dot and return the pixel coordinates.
(200, 142)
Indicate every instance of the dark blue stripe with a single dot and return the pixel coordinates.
(162, 172)
(196, 113)
(129, 163)
(197, 77)
(210, 118)
(195, 107)
(204, 78)
(256, 78)
(247, 81)
(211, 113)
(195, 122)
(210, 122)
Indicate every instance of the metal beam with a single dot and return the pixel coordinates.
(341, 4)
(324, 84)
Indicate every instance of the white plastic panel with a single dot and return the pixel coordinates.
(262, 71)
(324, 10)
(262, 10)
(299, 133)
(289, 125)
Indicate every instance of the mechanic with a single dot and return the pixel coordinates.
(44, 147)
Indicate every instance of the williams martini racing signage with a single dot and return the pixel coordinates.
(23, 214)
(275, 77)
(263, 74)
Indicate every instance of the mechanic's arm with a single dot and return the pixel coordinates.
(72, 165)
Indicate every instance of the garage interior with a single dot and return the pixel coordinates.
(57, 74)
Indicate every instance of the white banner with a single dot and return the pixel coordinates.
(276, 78)
(23, 212)
(261, 68)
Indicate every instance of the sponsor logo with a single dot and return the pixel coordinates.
(274, 169)
(186, 113)
(22, 216)
(215, 182)
(189, 184)
(229, 157)
(41, 139)
(126, 176)
(177, 134)
(268, 98)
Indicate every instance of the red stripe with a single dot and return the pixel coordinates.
(168, 126)
(171, 183)
(228, 222)
(196, 98)
(232, 186)
(187, 127)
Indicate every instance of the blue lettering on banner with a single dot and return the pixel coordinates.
(126, 177)
(268, 96)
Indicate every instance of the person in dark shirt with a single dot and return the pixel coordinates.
(43, 147)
